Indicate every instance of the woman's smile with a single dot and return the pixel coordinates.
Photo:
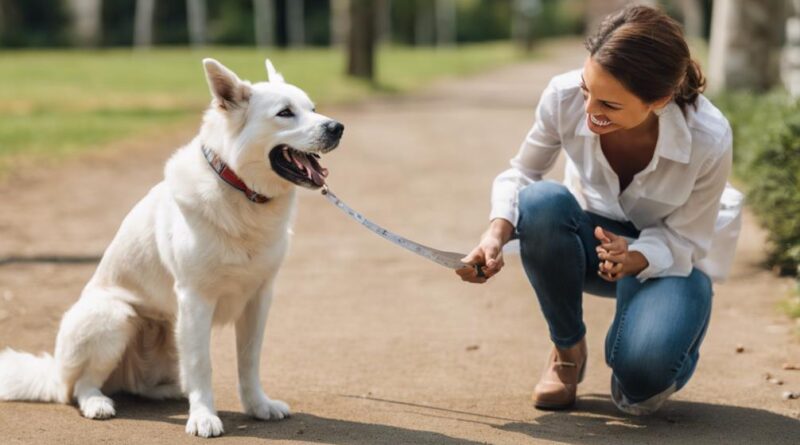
(599, 124)
(599, 121)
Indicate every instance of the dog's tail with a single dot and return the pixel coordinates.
(24, 376)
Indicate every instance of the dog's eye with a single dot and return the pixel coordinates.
(286, 113)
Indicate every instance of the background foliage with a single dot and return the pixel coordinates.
(767, 161)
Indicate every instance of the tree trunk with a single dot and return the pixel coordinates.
(745, 43)
(264, 22)
(196, 15)
(424, 32)
(791, 54)
(692, 11)
(384, 21)
(86, 21)
(295, 23)
(143, 24)
(445, 22)
(597, 10)
(361, 41)
(523, 13)
(340, 22)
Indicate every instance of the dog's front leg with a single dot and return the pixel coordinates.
(249, 336)
(193, 335)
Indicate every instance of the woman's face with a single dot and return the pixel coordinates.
(609, 106)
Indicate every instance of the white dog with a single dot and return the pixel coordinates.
(203, 247)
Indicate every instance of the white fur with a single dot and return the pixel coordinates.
(194, 252)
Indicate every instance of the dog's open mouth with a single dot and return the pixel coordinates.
(298, 167)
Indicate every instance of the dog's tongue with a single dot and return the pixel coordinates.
(316, 172)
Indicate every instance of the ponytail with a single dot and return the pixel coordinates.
(692, 85)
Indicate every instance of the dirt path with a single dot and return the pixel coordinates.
(369, 344)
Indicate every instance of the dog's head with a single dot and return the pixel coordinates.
(271, 130)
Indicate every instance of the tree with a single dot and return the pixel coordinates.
(384, 21)
(791, 56)
(143, 24)
(264, 22)
(692, 11)
(445, 22)
(523, 14)
(295, 22)
(86, 21)
(196, 15)
(361, 40)
(340, 21)
(745, 43)
(597, 10)
(424, 22)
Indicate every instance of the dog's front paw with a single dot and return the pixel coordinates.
(204, 424)
(268, 409)
(98, 407)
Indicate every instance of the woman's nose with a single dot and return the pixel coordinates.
(591, 106)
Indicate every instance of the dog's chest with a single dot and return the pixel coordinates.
(232, 288)
(237, 277)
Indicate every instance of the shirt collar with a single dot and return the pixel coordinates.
(674, 136)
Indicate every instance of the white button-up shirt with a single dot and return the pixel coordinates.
(687, 213)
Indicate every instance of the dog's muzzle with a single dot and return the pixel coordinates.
(332, 135)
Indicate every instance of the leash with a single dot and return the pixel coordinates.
(450, 260)
(56, 259)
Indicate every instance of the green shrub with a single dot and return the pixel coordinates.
(767, 160)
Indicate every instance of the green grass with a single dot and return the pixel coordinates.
(54, 103)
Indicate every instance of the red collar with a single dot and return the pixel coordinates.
(229, 176)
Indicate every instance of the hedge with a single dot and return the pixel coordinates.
(766, 131)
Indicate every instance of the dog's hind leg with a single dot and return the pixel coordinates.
(249, 337)
(149, 367)
(91, 341)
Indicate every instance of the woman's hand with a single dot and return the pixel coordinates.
(488, 255)
(616, 261)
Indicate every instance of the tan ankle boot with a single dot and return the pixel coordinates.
(562, 373)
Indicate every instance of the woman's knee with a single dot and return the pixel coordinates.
(543, 206)
(645, 370)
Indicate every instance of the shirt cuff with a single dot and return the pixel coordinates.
(505, 210)
(658, 256)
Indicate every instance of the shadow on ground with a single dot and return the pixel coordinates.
(597, 421)
(594, 421)
(300, 427)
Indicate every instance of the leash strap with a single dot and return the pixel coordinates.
(451, 260)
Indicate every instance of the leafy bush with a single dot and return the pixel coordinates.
(767, 160)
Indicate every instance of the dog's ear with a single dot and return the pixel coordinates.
(226, 87)
(272, 74)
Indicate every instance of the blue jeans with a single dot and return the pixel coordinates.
(655, 337)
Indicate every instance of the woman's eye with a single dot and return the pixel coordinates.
(286, 113)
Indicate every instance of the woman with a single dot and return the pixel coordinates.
(640, 217)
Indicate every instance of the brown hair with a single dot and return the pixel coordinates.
(644, 49)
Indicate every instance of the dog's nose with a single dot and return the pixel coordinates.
(334, 129)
